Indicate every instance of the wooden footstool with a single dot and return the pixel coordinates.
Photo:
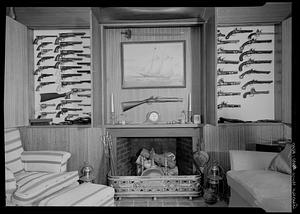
(86, 194)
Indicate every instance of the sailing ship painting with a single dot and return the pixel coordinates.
(153, 64)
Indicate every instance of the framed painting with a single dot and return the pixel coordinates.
(159, 64)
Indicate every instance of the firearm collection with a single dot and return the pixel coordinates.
(60, 81)
(240, 52)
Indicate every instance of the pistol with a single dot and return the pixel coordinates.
(37, 38)
(43, 84)
(40, 68)
(62, 36)
(235, 31)
(42, 76)
(43, 44)
(44, 59)
(65, 44)
(43, 52)
(65, 110)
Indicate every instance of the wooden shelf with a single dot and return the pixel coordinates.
(160, 125)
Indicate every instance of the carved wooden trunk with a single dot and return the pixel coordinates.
(157, 186)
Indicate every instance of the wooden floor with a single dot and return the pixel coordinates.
(166, 202)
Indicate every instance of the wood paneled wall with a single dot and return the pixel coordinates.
(168, 111)
(287, 70)
(83, 143)
(220, 139)
(16, 77)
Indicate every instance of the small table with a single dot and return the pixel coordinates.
(270, 147)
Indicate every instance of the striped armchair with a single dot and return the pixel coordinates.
(31, 176)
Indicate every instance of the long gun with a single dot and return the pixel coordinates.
(222, 93)
(221, 82)
(252, 51)
(40, 68)
(64, 102)
(51, 96)
(222, 72)
(38, 38)
(258, 33)
(66, 52)
(252, 41)
(236, 31)
(84, 55)
(43, 44)
(65, 44)
(131, 104)
(43, 76)
(64, 68)
(44, 59)
(43, 84)
(62, 36)
(44, 114)
(223, 42)
(221, 60)
(43, 52)
(223, 51)
(252, 71)
(225, 105)
(251, 61)
(251, 82)
(45, 105)
(252, 92)
(64, 76)
(65, 110)
(65, 60)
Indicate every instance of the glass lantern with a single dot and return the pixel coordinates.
(87, 173)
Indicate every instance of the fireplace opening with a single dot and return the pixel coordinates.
(129, 150)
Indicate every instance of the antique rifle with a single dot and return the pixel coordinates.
(66, 52)
(251, 61)
(40, 68)
(131, 104)
(64, 76)
(64, 68)
(252, 71)
(62, 61)
(252, 51)
(65, 44)
(253, 91)
(222, 42)
(251, 82)
(43, 84)
(51, 96)
(236, 31)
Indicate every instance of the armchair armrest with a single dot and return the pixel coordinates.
(45, 161)
(248, 160)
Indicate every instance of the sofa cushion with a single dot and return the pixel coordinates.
(262, 188)
(13, 150)
(86, 194)
(282, 162)
(33, 186)
(10, 181)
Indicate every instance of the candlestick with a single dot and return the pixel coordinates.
(112, 103)
(189, 102)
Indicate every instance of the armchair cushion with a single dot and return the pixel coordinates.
(13, 150)
(282, 161)
(45, 161)
(34, 186)
(10, 181)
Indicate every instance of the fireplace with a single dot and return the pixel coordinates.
(182, 140)
(128, 150)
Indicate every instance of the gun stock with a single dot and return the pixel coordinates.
(131, 104)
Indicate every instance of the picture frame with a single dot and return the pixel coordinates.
(153, 64)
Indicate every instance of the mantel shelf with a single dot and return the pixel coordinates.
(154, 126)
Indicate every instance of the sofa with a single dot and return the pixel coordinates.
(254, 183)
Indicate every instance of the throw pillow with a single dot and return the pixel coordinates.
(282, 161)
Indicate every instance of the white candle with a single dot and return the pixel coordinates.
(112, 103)
(190, 102)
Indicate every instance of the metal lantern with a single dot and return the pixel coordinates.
(214, 178)
(87, 173)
